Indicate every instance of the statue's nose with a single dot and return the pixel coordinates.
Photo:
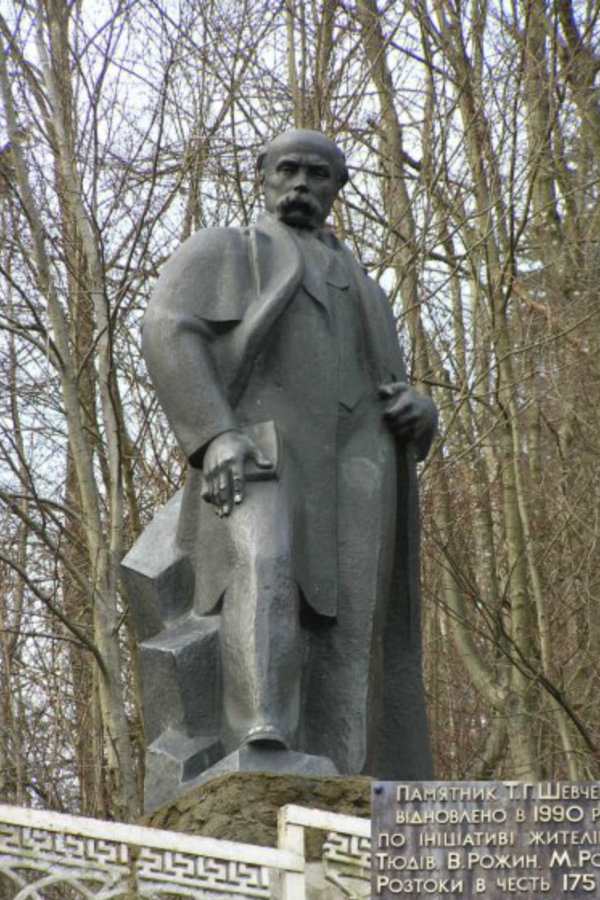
(300, 182)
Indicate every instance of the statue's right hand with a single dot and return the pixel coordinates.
(224, 469)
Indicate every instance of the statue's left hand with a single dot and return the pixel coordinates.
(411, 416)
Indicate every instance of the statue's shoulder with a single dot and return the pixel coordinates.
(361, 271)
(208, 276)
(208, 243)
(374, 285)
(379, 308)
(206, 252)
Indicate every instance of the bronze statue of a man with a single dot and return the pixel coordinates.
(277, 363)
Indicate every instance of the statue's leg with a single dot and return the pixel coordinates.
(345, 667)
(259, 630)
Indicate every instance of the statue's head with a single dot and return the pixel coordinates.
(301, 173)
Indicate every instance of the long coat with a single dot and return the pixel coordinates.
(217, 304)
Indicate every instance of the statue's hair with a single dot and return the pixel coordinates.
(304, 136)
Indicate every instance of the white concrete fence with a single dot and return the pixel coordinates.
(49, 856)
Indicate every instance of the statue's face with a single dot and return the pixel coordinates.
(299, 186)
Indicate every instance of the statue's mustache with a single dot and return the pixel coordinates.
(294, 200)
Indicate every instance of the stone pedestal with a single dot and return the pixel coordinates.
(243, 806)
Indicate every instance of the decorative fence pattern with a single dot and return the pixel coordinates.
(49, 856)
(346, 851)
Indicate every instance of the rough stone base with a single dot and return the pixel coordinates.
(243, 806)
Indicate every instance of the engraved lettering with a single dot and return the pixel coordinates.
(400, 863)
(548, 790)
(502, 861)
(558, 813)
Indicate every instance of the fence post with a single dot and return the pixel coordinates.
(291, 837)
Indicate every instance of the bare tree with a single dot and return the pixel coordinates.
(471, 133)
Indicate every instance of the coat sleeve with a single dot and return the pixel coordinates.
(201, 294)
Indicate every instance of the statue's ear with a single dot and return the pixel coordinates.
(260, 165)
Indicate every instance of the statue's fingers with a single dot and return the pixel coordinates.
(215, 498)
(410, 422)
(218, 495)
(402, 408)
(392, 389)
(405, 427)
(225, 490)
(237, 481)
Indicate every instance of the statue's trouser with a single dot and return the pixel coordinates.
(260, 624)
(345, 669)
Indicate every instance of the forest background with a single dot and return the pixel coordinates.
(472, 132)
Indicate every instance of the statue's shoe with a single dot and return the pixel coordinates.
(267, 736)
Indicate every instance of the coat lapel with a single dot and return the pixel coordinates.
(383, 351)
(322, 268)
(277, 270)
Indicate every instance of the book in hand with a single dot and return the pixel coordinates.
(264, 435)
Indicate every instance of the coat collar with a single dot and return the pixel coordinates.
(321, 256)
(279, 271)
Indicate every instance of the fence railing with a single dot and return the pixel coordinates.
(346, 855)
(51, 856)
